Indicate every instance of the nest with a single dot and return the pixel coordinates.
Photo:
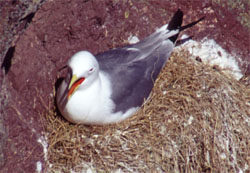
(196, 120)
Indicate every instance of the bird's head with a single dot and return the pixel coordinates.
(84, 70)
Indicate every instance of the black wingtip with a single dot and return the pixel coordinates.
(191, 24)
(176, 20)
(175, 23)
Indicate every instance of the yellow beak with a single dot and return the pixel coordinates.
(74, 85)
(73, 79)
(72, 88)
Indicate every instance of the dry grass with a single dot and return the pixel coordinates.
(197, 120)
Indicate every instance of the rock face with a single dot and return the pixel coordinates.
(30, 60)
(19, 150)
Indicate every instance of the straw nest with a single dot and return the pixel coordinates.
(196, 120)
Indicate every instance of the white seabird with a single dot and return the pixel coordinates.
(111, 86)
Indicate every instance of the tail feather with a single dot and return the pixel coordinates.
(168, 31)
(182, 41)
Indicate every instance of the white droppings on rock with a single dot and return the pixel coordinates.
(212, 53)
(38, 167)
(133, 39)
(43, 141)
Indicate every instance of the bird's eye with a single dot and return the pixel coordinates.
(90, 70)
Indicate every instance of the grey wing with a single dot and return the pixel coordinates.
(108, 59)
(132, 77)
(131, 85)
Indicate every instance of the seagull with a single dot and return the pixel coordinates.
(111, 86)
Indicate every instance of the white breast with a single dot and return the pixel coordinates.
(91, 105)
